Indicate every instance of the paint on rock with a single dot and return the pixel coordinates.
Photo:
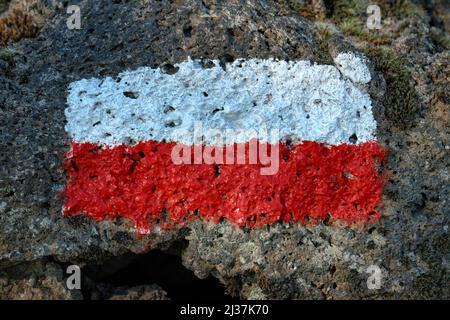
(353, 67)
(304, 101)
(142, 183)
(124, 129)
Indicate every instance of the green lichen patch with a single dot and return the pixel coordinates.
(440, 39)
(401, 102)
(4, 5)
(323, 33)
(351, 17)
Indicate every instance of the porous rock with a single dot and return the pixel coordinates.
(410, 244)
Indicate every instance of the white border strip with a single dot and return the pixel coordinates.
(300, 99)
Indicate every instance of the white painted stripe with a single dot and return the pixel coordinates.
(353, 67)
(300, 99)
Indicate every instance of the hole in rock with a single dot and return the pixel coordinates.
(207, 64)
(170, 68)
(155, 267)
(187, 31)
(226, 58)
(353, 138)
(168, 109)
(173, 123)
(131, 94)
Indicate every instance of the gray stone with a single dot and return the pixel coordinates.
(410, 245)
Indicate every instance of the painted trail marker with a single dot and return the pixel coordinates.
(324, 159)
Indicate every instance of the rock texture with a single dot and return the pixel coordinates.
(36, 280)
(408, 61)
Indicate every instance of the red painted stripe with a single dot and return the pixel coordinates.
(141, 183)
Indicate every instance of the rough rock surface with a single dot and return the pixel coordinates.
(139, 293)
(143, 292)
(36, 280)
(410, 244)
